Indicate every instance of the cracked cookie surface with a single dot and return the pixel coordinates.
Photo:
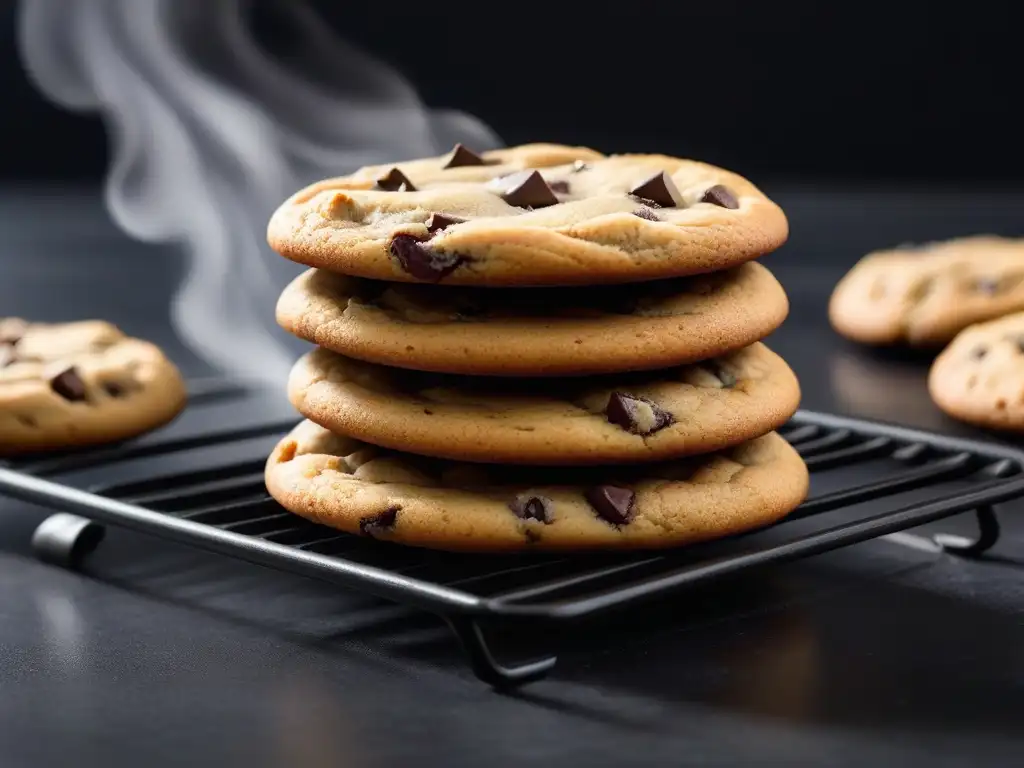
(538, 214)
(979, 377)
(924, 295)
(631, 417)
(76, 384)
(362, 489)
(535, 332)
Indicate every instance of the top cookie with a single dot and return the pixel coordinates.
(925, 295)
(538, 214)
(76, 384)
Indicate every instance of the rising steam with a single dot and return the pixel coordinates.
(210, 131)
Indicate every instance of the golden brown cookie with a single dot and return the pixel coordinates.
(632, 417)
(925, 295)
(979, 377)
(535, 331)
(76, 384)
(366, 490)
(538, 214)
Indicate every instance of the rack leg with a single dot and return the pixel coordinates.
(988, 535)
(64, 539)
(486, 667)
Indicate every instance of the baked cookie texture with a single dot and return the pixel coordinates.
(76, 384)
(533, 215)
(979, 377)
(539, 331)
(362, 489)
(593, 420)
(924, 295)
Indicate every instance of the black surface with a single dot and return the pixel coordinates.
(882, 654)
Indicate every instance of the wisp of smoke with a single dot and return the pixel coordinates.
(210, 131)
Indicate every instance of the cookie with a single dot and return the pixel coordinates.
(362, 489)
(77, 384)
(631, 417)
(925, 295)
(979, 377)
(535, 331)
(534, 215)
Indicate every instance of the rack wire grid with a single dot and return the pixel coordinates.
(867, 480)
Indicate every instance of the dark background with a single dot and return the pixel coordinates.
(901, 90)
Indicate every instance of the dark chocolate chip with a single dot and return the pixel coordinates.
(658, 190)
(611, 503)
(721, 196)
(113, 389)
(979, 352)
(527, 189)
(989, 285)
(440, 221)
(579, 165)
(420, 261)
(636, 415)
(69, 385)
(6, 355)
(369, 526)
(560, 186)
(11, 331)
(727, 378)
(531, 508)
(395, 181)
(646, 213)
(461, 156)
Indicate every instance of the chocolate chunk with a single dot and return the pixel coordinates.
(460, 157)
(69, 385)
(527, 189)
(421, 262)
(646, 213)
(659, 190)
(611, 503)
(395, 181)
(979, 352)
(6, 355)
(440, 221)
(370, 526)
(727, 378)
(636, 415)
(560, 186)
(579, 165)
(989, 285)
(531, 508)
(12, 330)
(721, 196)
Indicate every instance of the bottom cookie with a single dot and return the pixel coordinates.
(363, 489)
(71, 385)
(979, 377)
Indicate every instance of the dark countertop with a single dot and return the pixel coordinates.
(879, 654)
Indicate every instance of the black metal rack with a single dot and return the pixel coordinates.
(225, 509)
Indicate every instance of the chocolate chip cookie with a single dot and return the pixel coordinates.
(362, 489)
(630, 417)
(78, 384)
(534, 215)
(979, 377)
(925, 295)
(535, 331)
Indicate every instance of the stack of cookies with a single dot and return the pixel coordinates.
(537, 347)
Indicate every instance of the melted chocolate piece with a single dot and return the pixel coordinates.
(440, 221)
(611, 503)
(636, 415)
(395, 181)
(370, 526)
(421, 262)
(721, 196)
(461, 156)
(646, 213)
(527, 189)
(531, 508)
(659, 190)
(69, 385)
